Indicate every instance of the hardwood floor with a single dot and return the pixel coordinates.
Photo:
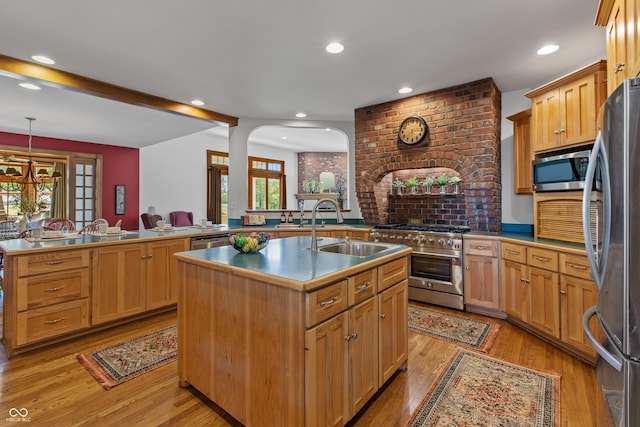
(57, 391)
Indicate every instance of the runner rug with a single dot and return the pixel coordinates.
(121, 362)
(477, 390)
(474, 334)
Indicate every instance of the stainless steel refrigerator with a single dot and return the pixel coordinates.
(611, 219)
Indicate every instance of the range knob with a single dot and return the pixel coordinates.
(407, 237)
(441, 241)
(432, 240)
(450, 242)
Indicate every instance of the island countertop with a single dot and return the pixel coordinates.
(288, 262)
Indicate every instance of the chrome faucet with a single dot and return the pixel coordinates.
(314, 240)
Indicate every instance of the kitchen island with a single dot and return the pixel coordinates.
(289, 336)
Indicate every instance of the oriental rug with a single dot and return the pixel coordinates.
(470, 333)
(477, 390)
(114, 365)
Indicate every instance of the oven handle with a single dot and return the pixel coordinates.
(437, 255)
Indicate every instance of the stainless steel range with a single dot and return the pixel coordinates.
(436, 262)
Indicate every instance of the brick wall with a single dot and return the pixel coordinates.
(463, 139)
(310, 164)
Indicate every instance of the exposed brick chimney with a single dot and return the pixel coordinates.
(464, 136)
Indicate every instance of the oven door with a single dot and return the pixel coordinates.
(437, 272)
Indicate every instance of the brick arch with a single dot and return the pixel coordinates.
(464, 136)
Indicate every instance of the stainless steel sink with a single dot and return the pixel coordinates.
(360, 249)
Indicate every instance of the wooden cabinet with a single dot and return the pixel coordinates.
(352, 233)
(564, 112)
(129, 279)
(621, 18)
(481, 276)
(393, 329)
(547, 291)
(522, 152)
(50, 297)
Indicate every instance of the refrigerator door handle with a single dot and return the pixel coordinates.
(603, 352)
(598, 152)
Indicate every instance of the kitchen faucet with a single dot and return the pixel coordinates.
(314, 240)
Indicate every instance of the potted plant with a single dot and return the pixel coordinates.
(455, 180)
(428, 183)
(442, 181)
(412, 183)
(398, 185)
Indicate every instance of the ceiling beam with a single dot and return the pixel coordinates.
(19, 69)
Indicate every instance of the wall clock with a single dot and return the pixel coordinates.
(413, 130)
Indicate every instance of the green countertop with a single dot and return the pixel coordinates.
(289, 259)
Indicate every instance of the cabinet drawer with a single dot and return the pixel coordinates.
(47, 322)
(481, 247)
(575, 265)
(542, 258)
(392, 272)
(362, 286)
(514, 252)
(326, 302)
(47, 289)
(52, 262)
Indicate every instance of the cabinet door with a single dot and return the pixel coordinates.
(616, 46)
(516, 295)
(545, 121)
(578, 111)
(118, 282)
(326, 373)
(522, 152)
(392, 330)
(363, 354)
(162, 279)
(544, 301)
(481, 281)
(577, 295)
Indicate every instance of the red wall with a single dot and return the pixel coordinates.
(121, 165)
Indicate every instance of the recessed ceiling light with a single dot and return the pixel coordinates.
(301, 115)
(29, 86)
(405, 90)
(197, 102)
(43, 59)
(284, 137)
(550, 48)
(334, 47)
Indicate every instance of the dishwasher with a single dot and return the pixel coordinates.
(203, 242)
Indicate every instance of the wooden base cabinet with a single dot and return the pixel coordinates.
(393, 330)
(133, 278)
(481, 276)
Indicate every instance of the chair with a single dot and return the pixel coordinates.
(118, 223)
(149, 220)
(58, 224)
(181, 218)
(94, 227)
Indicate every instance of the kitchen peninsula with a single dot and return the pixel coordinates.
(290, 336)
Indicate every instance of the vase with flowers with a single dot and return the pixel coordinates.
(428, 183)
(412, 183)
(442, 181)
(340, 189)
(26, 206)
(398, 186)
(455, 181)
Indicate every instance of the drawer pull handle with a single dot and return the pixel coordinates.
(55, 289)
(481, 248)
(563, 292)
(542, 259)
(347, 338)
(362, 287)
(51, 322)
(577, 266)
(522, 279)
(383, 315)
(510, 252)
(56, 262)
(329, 301)
(619, 67)
(354, 335)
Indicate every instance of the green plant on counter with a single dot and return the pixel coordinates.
(412, 182)
(311, 186)
(442, 180)
(398, 184)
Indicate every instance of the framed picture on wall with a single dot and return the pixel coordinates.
(121, 192)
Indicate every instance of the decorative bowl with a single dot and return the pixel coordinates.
(249, 243)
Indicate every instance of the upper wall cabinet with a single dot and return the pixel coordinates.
(522, 152)
(564, 112)
(622, 20)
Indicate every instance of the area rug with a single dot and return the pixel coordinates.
(474, 334)
(476, 390)
(114, 365)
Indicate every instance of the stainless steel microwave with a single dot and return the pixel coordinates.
(561, 172)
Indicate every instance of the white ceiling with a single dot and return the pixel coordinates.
(266, 59)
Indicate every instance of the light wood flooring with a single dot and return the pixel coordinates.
(57, 391)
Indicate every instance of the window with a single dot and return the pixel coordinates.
(266, 184)
(85, 188)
